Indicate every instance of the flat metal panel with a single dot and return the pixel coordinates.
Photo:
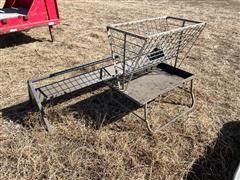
(150, 86)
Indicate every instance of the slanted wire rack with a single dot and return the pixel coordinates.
(137, 48)
(140, 45)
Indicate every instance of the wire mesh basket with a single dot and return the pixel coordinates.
(142, 44)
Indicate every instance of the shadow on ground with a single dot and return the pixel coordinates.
(99, 110)
(220, 162)
(18, 113)
(15, 39)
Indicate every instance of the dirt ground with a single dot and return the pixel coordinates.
(195, 147)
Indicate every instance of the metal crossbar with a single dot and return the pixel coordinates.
(145, 56)
(49, 87)
(140, 44)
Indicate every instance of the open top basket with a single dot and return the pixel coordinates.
(142, 44)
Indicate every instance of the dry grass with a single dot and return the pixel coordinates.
(122, 149)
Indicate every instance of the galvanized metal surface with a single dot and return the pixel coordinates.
(148, 42)
(157, 82)
(69, 85)
(63, 82)
(135, 68)
(145, 116)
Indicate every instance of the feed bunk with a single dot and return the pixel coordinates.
(144, 64)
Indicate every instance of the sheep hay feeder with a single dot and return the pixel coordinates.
(19, 15)
(144, 64)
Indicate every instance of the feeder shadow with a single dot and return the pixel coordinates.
(15, 39)
(100, 110)
(219, 163)
(18, 113)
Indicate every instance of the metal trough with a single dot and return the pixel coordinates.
(144, 64)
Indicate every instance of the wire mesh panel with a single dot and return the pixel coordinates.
(73, 79)
(141, 44)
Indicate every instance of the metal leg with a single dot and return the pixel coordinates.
(146, 118)
(33, 98)
(192, 95)
(50, 28)
(46, 122)
(174, 119)
(183, 113)
(30, 97)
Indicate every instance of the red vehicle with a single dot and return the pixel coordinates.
(19, 15)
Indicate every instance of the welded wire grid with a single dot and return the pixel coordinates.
(71, 84)
(141, 44)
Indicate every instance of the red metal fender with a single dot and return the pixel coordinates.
(19, 15)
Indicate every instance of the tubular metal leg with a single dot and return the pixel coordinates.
(174, 119)
(30, 97)
(192, 95)
(50, 28)
(33, 99)
(146, 118)
(183, 113)
(46, 122)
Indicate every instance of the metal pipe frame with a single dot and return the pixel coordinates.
(76, 68)
(145, 112)
(179, 44)
(134, 62)
(138, 43)
(32, 90)
(34, 99)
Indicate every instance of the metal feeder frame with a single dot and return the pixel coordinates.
(145, 62)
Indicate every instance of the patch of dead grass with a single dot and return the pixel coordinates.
(122, 149)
